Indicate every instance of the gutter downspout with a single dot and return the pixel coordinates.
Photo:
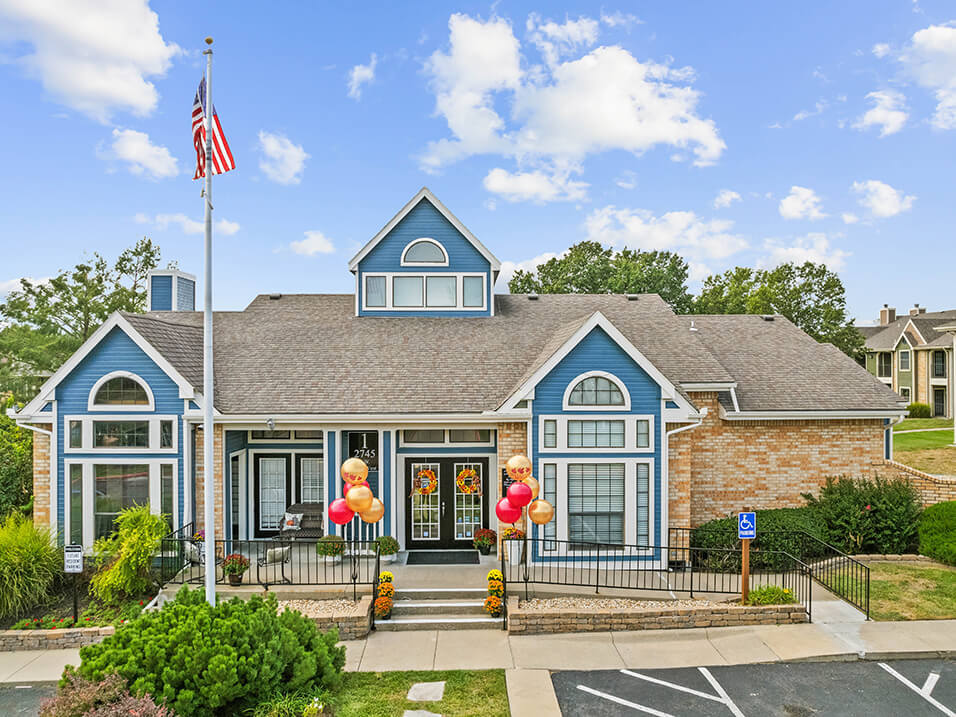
(889, 427)
(35, 429)
(666, 468)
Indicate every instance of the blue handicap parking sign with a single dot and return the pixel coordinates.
(746, 526)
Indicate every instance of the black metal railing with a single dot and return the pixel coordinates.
(844, 576)
(271, 562)
(544, 561)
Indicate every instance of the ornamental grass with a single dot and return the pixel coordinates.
(30, 566)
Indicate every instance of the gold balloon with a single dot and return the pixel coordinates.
(532, 483)
(354, 471)
(374, 513)
(359, 498)
(518, 467)
(540, 512)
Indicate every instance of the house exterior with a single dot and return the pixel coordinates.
(636, 419)
(913, 355)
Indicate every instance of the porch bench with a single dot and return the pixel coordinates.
(311, 527)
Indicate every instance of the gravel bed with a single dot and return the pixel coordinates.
(320, 608)
(584, 603)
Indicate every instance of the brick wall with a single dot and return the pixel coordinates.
(41, 477)
(922, 376)
(512, 440)
(768, 464)
(679, 476)
(217, 483)
(932, 489)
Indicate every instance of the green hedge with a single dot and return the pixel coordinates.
(937, 532)
(204, 660)
(919, 410)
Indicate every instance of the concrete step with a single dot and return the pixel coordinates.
(442, 594)
(408, 608)
(439, 622)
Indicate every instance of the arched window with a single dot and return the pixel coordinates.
(425, 251)
(598, 390)
(121, 391)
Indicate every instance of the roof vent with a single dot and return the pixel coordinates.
(632, 297)
(532, 297)
(767, 317)
(692, 327)
(275, 297)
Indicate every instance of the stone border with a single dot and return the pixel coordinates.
(58, 639)
(538, 621)
(352, 625)
(904, 558)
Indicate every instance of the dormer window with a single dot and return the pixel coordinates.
(424, 252)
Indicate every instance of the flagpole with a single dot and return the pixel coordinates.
(209, 517)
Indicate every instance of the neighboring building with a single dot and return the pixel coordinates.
(636, 419)
(912, 356)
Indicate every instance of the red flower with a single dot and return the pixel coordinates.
(87, 619)
(869, 507)
(140, 602)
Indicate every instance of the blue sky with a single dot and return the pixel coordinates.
(732, 133)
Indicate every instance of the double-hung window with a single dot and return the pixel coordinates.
(904, 360)
(595, 434)
(939, 364)
(596, 503)
(884, 364)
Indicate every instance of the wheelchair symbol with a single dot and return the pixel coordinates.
(745, 523)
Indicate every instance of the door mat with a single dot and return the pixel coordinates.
(442, 557)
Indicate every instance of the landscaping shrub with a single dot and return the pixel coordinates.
(937, 532)
(919, 410)
(204, 660)
(868, 516)
(331, 546)
(387, 545)
(30, 566)
(108, 697)
(770, 595)
(125, 557)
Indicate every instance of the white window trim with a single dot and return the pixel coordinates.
(908, 393)
(415, 469)
(454, 497)
(630, 433)
(909, 360)
(460, 289)
(591, 374)
(152, 419)
(426, 240)
(446, 443)
(89, 489)
(562, 511)
(286, 441)
(91, 406)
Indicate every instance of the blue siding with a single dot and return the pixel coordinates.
(185, 294)
(116, 352)
(598, 352)
(161, 293)
(425, 221)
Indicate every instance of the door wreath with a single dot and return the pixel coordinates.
(468, 481)
(426, 482)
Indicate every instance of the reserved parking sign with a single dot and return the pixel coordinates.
(746, 526)
(73, 558)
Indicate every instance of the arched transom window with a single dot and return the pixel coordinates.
(597, 391)
(425, 251)
(121, 391)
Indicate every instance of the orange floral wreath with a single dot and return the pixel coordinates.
(431, 486)
(468, 481)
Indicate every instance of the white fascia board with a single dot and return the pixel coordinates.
(597, 319)
(709, 386)
(918, 333)
(355, 418)
(425, 193)
(806, 415)
(116, 320)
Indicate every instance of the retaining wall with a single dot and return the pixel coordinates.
(70, 637)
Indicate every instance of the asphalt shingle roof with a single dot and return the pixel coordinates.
(886, 337)
(309, 353)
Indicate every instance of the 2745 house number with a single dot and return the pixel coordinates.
(364, 445)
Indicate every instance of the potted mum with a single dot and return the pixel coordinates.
(387, 548)
(386, 596)
(332, 547)
(233, 566)
(485, 540)
(514, 536)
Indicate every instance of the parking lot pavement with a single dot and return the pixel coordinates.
(910, 688)
(24, 698)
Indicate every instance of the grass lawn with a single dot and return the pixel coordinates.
(912, 591)
(911, 424)
(475, 693)
(930, 451)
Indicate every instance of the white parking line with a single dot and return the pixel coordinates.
(673, 686)
(721, 691)
(625, 703)
(924, 693)
(931, 679)
(721, 697)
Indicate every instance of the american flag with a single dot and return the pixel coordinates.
(222, 160)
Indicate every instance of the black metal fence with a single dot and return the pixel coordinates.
(844, 576)
(271, 562)
(544, 561)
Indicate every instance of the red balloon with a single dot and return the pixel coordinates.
(339, 512)
(346, 486)
(506, 512)
(520, 494)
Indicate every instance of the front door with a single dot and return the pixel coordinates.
(939, 401)
(447, 517)
(273, 491)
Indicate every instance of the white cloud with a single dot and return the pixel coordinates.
(930, 59)
(555, 41)
(361, 75)
(141, 155)
(725, 197)
(818, 108)
(508, 268)
(315, 242)
(534, 186)
(813, 247)
(626, 179)
(849, 218)
(92, 55)
(881, 199)
(620, 19)
(14, 284)
(560, 112)
(801, 203)
(283, 161)
(681, 232)
(888, 112)
(186, 224)
(881, 49)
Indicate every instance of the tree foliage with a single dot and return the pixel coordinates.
(16, 463)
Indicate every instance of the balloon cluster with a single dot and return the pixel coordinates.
(358, 496)
(523, 492)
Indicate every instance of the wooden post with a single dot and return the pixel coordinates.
(745, 570)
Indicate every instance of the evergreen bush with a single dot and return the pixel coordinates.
(30, 566)
(919, 410)
(937, 532)
(124, 558)
(203, 660)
